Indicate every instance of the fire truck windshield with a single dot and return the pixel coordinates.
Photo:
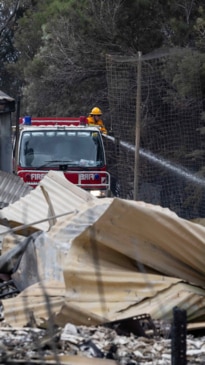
(52, 148)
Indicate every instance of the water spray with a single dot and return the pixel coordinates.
(160, 161)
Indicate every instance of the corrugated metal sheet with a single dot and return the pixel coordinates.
(52, 248)
(102, 268)
(65, 197)
(4, 96)
(155, 237)
(12, 188)
(126, 302)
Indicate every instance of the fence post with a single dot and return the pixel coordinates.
(178, 337)
(138, 122)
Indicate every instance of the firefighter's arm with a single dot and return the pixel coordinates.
(103, 130)
(102, 127)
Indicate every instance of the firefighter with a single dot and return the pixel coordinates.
(95, 119)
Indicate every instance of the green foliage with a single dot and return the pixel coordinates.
(54, 53)
(182, 70)
(139, 25)
(180, 22)
(58, 48)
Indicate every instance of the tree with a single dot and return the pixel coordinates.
(61, 45)
(70, 65)
(181, 21)
(10, 13)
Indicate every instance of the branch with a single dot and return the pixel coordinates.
(12, 15)
(187, 8)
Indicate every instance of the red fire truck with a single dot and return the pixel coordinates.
(61, 144)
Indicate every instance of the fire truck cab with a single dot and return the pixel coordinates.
(61, 144)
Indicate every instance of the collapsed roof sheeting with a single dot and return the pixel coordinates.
(4, 96)
(53, 248)
(45, 258)
(12, 188)
(64, 196)
(136, 258)
(152, 236)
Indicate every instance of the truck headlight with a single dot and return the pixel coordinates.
(98, 193)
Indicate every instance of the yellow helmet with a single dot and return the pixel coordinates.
(96, 111)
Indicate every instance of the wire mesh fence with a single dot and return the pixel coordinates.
(171, 157)
(170, 172)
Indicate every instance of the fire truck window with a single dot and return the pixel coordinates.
(29, 157)
(87, 150)
(26, 152)
(38, 148)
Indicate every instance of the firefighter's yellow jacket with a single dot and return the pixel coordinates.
(99, 123)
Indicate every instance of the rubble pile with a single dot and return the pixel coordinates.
(96, 342)
(95, 281)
